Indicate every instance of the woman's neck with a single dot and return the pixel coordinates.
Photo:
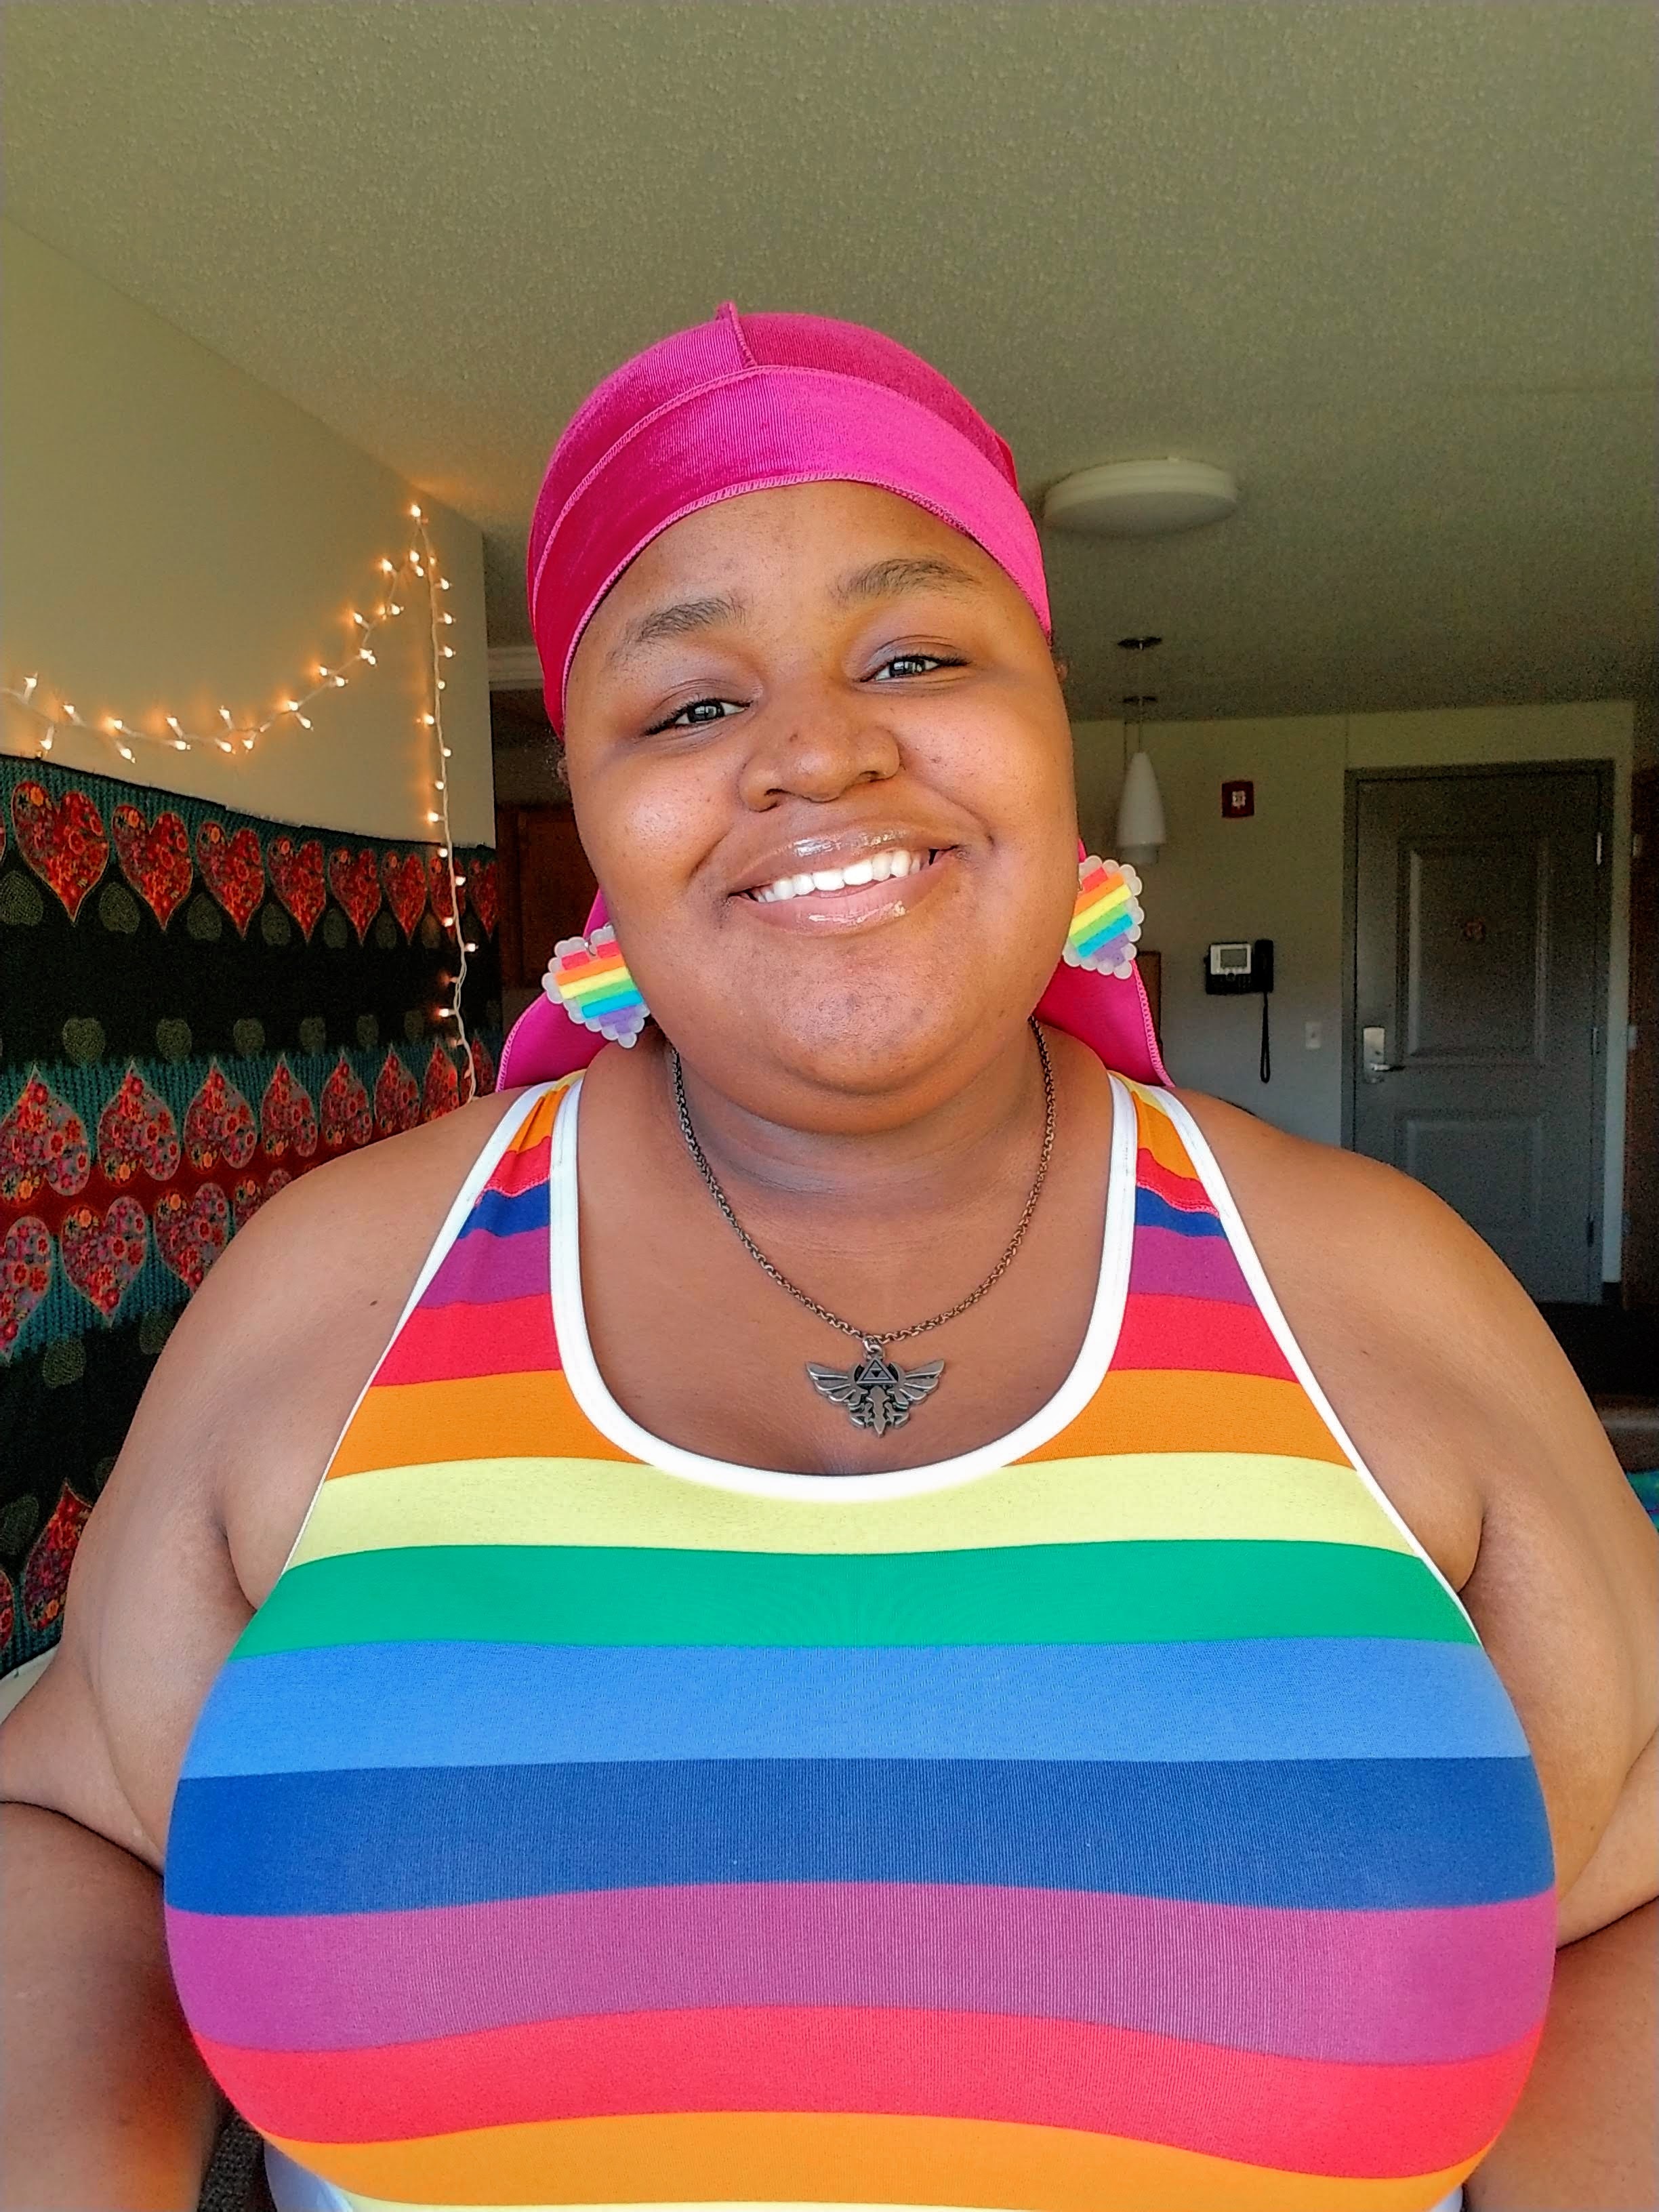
(941, 1161)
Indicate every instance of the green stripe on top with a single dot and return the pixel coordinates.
(1122, 1593)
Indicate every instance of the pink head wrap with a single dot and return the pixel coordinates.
(749, 404)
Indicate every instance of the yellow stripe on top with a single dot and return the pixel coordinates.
(1132, 1497)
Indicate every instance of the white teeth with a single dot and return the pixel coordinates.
(891, 860)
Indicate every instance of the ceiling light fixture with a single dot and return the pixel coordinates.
(1142, 499)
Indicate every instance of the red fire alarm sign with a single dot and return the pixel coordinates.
(1237, 800)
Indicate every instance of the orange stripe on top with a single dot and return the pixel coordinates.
(837, 2158)
(530, 1416)
(1155, 1133)
(1155, 1410)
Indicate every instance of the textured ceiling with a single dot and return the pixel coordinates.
(1392, 264)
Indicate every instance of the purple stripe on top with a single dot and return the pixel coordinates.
(1383, 1987)
(1168, 1265)
(481, 1270)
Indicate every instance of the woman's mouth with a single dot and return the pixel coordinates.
(866, 891)
(892, 862)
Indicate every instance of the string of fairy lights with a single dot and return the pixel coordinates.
(420, 567)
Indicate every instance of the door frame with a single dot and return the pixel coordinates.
(1603, 770)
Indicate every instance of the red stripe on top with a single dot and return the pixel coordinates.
(440, 1343)
(1182, 1191)
(516, 1170)
(1310, 2115)
(1197, 1336)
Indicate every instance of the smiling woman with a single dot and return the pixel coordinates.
(1141, 1758)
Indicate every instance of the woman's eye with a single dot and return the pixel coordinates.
(696, 716)
(912, 663)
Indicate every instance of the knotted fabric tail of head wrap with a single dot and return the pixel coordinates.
(751, 403)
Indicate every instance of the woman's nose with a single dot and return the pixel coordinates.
(818, 747)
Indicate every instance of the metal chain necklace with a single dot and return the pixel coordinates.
(875, 1392)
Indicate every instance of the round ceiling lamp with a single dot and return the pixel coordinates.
(1142, 499)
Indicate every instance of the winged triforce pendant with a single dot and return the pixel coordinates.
(876, 1393)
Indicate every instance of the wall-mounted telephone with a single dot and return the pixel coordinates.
(1238, 969)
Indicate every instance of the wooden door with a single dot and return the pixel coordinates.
(1475, 1063)
(546, 889)
(1641, 1264)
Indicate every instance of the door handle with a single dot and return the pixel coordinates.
(1374, 1061)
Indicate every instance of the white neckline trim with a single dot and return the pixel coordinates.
(1215, 1185)
(593, 1395)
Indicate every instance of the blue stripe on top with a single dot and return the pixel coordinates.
(1294, 1833)
(490, 1704)
(1152, 1212)
(508, 1214)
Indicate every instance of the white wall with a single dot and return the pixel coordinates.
(1279, 875)
(174, 536)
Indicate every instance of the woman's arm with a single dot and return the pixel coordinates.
(103, 2101)
(1444, 1374)
(1583, 2137)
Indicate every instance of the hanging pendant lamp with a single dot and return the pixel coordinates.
(1140, 825)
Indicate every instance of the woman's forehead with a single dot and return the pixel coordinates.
(844, 543)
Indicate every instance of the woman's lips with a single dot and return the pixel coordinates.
(839, 905)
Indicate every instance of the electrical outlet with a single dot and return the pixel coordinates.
(1313, 1035)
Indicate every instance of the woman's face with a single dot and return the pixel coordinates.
(826, 682)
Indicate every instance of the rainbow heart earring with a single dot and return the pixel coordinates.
(589, 978)
(1106, 919)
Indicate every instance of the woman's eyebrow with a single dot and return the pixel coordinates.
(886, 580)
(679, 619)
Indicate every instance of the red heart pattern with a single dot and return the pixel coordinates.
(480, 891)
(442, 1092)
(46, 1570)
(483, 1069)
(8, 1596)
(348, 1118)
(245, 1200)
(219, 1125)
(397, 1098)
(102, 1253)
(191, 1233)
(354, 880)
(43, 1146)
(403, 875)
(296, 876)
(234, 870)
(62, 840)
(25, 1272)
(137, 1130)
(155, 858)
(438, 889)
(287, 1120)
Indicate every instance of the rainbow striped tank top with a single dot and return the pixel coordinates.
(1122, 1818)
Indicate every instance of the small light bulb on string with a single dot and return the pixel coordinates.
(29, 683)
(45, 742)
(224, 716)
